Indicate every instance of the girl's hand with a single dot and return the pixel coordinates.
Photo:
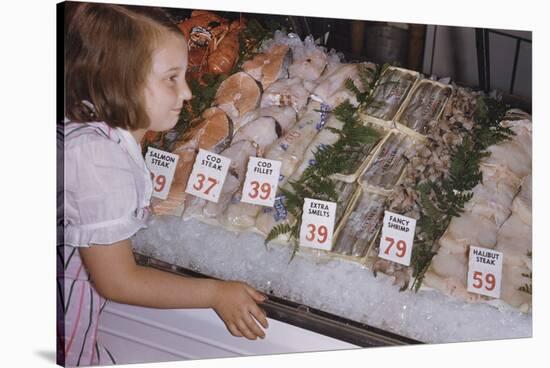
(235, 303)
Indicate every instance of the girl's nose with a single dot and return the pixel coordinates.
(185, 93)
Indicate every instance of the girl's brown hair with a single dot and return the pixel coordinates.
(108, 53)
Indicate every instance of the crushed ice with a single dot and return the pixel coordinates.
(336, 286)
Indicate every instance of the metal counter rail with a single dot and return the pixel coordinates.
(303, 316)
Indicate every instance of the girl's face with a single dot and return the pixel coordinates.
(165, 87)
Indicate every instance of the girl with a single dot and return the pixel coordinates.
(124, 74)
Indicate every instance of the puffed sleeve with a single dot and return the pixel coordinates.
(100, 192)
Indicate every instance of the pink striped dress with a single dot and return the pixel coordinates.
(107, 189)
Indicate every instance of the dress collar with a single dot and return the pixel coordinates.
(121, 136)
(128, 141)
(125, 140)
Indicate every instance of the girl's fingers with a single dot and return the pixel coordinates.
(256, 295)
(260, 315)
(253, 326)
(234, 330)
(243, 328)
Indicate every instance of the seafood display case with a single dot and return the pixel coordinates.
(375, 140)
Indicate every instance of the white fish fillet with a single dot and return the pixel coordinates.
(513, 277)
(230, 186)
(239, 214)
(514, 240)
(447, 264)
(309, 62)
(471, 229)
(493, 197)
(270, 217)
(310, 85)
(523, 129)
(244, 215)
(286, 92)
(522, 204)
(262, 131)
(336, 81)
(193, 207)
(340, 96)
(285, 116)
(239, 154)
(511, 155)
(325, 138)
(496, 217)
(240, 122)
(290, 150)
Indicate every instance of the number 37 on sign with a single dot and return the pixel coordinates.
(208, 175)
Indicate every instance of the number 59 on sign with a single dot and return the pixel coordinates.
(484, 271)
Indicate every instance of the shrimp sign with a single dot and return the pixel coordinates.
(397, 238)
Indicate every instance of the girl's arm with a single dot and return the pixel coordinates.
(117, 277)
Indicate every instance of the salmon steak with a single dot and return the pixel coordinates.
(237, 95)
(213, 132)
(267, 67)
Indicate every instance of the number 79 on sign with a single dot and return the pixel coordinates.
(397, 238)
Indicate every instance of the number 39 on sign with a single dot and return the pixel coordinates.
(319, 233)
(162, 166)
(397, 238)
(317, 224)
(262, 178)
(159, 181)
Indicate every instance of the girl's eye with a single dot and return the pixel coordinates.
(173, 78)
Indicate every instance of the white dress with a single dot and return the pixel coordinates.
(107, 190)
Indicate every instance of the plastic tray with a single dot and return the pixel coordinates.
(405, 129)
(390, 123)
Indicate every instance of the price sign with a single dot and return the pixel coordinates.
(208, 175)
(485, 271)
(317, 224)
(397, 238)
(262, 178)
(162, 166)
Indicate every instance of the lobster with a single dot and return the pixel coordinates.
(213, 43)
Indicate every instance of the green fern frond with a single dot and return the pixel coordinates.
(276, 231)
(442, 201)
(355, 140)
(527, 288)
